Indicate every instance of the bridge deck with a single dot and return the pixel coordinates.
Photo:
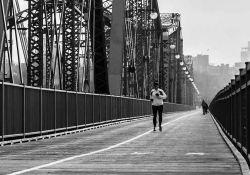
(190, 143)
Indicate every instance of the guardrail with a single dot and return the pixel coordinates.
(29, 111)
(231, 109)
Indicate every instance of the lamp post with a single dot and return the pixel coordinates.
(150, 51)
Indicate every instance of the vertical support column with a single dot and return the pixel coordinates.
(49, 44)
(166, 67)
(116, 46)
(179, 83)
(99, 50)
(35, 43)
(70, 53)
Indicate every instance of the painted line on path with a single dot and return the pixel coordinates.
(94, 152)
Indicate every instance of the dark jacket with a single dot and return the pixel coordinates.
(204, 104)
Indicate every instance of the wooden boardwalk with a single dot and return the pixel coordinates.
(190, 143)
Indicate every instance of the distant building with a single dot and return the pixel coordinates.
(224, 71)
(245, 53)
(244, 57)
(239, 65)
(210, 79)
(200, 63)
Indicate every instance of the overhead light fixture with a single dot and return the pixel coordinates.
(177, 56)
(153, 15)
(172, 46)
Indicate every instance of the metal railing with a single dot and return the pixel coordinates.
(29, 111)
(231, 109)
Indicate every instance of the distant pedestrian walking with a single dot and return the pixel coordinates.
(204, 107)
(156, 96)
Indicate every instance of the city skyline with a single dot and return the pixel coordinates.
(217, 28)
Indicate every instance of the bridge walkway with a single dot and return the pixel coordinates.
(189, 144)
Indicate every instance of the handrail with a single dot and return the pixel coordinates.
(231, 108)
(30, 111)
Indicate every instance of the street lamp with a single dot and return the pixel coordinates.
(172, 46)
(153, 15)
(177, 56)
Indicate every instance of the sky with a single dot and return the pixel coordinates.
(218, 28)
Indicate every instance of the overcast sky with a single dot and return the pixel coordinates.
(222, 26)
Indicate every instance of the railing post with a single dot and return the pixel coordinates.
(231, 108)
(67, 110)
(93, 109)
(76, 109)
(55, 110)
(227, 116)
(85, 112)
(41, 111)
(224, 108)
(111, 112)
(141, 107)
(240, 111)
(247, 110)
(106, 109)
(121, 107)
(133, 113)
(24, 111)
(2, 111)
(100, 116)
(235, 111)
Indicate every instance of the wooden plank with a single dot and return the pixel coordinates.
(188, 145)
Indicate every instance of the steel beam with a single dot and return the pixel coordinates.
(116, 46)
(35, 43)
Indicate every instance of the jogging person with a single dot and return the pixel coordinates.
(156, 96)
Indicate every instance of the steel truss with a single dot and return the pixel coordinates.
(170, 68)
(68, 45)
(67, 42)
(141, 50)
